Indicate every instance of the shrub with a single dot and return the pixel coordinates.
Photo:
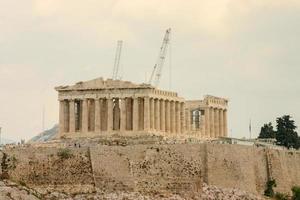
(13, 162)
(14, 159)
(281, 196)
(64, 153)
(296, 193)
(22, 183)
(269, 191)
(4, 176)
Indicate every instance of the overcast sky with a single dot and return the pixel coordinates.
(245, 50)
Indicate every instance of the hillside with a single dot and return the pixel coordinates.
(46, 135)
(149, 168)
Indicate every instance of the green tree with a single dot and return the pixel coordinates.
(296, 193)
(64, 153)
(267, 131)
(286, 134)
(270, 191)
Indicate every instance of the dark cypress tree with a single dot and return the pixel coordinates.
(286, 134)
(267, 131)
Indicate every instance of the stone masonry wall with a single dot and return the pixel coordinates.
(238, 166)
(285, 169)
(1, 158)
(153, 167)
(180, 167)
(42, 169)
(147, 168)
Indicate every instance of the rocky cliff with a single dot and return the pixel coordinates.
(151, 168)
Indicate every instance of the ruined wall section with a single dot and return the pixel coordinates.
(235, 166)
(153, 167)
(179, 167)
(148, 168)
(285, 169)
(43, 169)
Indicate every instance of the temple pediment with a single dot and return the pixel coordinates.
(101, 83)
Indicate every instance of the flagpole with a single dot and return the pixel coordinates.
(250, 129)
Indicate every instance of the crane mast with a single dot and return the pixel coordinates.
(157, 70)
(117, 60)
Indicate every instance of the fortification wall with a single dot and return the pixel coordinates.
(236, 166)
(285, 169)
(42, 169)
(147, 168)
(1, 158)
(153, 167)
(180, 167)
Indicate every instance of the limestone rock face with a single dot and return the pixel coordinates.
(212, 192)
(11, 191)
(117, 165)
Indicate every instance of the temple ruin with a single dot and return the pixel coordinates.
(107, 107)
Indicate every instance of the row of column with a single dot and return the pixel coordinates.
(207, 123)
(215, 122)
(136, 114)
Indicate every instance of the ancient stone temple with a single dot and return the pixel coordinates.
(106, 107)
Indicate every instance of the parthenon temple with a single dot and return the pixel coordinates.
(106, 107)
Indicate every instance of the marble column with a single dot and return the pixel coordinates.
(85, 116)
(147, 114)
(78, 115)
(221, 123)
(202, 123)
(212, 124)
(178, 123)
(61, 116)
(162, 116)
(152, 116)
(103, 114)
(97, 116)
(182, 114)
(207, 122)
(194, 119)
(91, 115)
(116, 114)
(122, 115)
(225, 123)
(110, 115)
(72, 116)
(173, 117)
(66, 116)
(168, 116)
(188, 120)
(217, 127)
(157, 115)
(129, 113)
(135, 114)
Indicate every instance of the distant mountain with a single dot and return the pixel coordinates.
(46, 135)
(7, 141)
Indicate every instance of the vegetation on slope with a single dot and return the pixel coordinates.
(285, 134)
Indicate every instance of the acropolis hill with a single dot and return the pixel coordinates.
(118, 138)
(106, 107)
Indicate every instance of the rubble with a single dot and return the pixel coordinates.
(13, 191)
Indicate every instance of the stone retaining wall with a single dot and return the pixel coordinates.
(153, 167)
(42, 169)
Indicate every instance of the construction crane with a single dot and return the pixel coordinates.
(157, 70)
(117, 60)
